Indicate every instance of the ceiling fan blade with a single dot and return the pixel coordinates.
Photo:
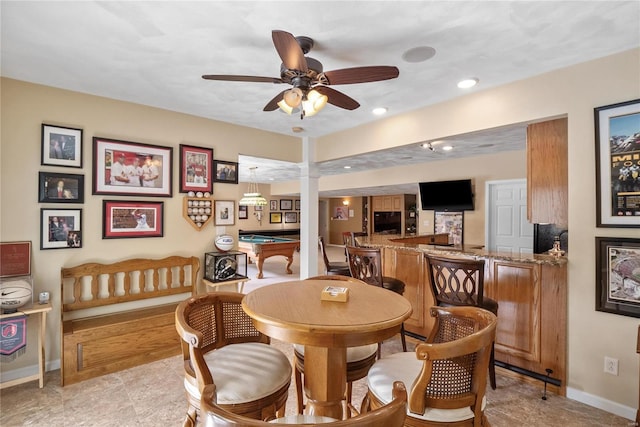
(273, 104)
(289, 50)
(361, 75)
(232, 78)
(337, 98)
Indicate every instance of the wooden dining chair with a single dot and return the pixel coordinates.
(222, 348)
(460, 282)
(366, 264)
(359, 359)
(332, 267)
(391, 415)
(348, 239)
(448, 372)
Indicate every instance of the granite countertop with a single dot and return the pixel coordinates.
(475, 251)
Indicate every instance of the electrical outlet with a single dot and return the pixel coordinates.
(610, 365)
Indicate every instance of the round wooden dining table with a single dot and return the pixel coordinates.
(293, 312)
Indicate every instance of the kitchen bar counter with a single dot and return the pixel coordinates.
(531, 291)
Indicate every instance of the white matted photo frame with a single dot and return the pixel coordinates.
(196, 169)
(617, 136)
(125, 219)
(60, 187)
(131, 169)
(290, 217)
(60, 228)
(224, 212)
(617, 280)
(273, 205)
(61, 146)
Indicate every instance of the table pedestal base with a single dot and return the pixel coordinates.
(325, 381)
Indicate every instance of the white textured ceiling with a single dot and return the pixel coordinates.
(155, 52)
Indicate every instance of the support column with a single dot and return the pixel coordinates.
(308, 210)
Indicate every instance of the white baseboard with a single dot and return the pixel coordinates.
(28, 371)
(602, 403)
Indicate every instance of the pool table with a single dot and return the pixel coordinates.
(258, 248)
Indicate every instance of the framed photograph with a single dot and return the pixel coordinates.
(618, 276)
(243, 212)
(60, 188)
(617, 129)
(275, 217)
(124, 219)
(226, 171)
(131, 169)
(290, 217)
(273, 205)
(297, 203)
(196, 169)
(286, 204)
(224, 211)
(451, 223)
(60, 228)
(61, 146)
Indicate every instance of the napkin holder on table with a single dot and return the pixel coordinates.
(335, 293)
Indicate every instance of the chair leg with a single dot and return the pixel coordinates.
(298, 379)
(190, 418)
(403, 338)
(492, 369)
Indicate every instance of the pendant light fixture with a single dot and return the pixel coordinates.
(253, 196)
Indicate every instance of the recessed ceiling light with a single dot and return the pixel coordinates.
(447, 148)
(467, 83)
(347, 167)
(379, 111)
(297, 129)
(419, 54)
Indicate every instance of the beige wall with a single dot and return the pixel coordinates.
(574, 92)
(26, 106)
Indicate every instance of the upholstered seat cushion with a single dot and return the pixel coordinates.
(406, 368)
(353, 353)
(245, 372)
(393, 284)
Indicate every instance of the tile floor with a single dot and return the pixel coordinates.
(153, 395)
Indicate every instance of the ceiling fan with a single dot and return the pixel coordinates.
(311, 89)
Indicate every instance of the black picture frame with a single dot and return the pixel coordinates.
(275, 217)
(617, 137)
(196, 169)
(50, 191)
(243, 212)
(290, 217)
(617, 290)
(297, 204)
(61, 146)
(286, 204)
(273, 205)
(60, 228)
(145, 168)
(225, 172)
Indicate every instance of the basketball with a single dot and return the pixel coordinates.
(224, 242)
(14, 294)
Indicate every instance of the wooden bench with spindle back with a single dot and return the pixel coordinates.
(101, 331)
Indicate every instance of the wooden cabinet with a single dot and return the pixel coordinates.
(547, 172)
(388, 203)
(531, 332)
(403, 203)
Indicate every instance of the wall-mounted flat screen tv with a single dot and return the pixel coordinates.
(447, 195)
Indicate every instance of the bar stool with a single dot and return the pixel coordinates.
(333, 267)
(460, 282)
(366, 264)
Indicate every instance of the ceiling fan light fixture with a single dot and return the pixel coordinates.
(293, 97)
(284, 107)
(315, 102)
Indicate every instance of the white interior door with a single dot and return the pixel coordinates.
(507, 228)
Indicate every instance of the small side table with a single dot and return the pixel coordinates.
(41, 311)
(238, 282)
